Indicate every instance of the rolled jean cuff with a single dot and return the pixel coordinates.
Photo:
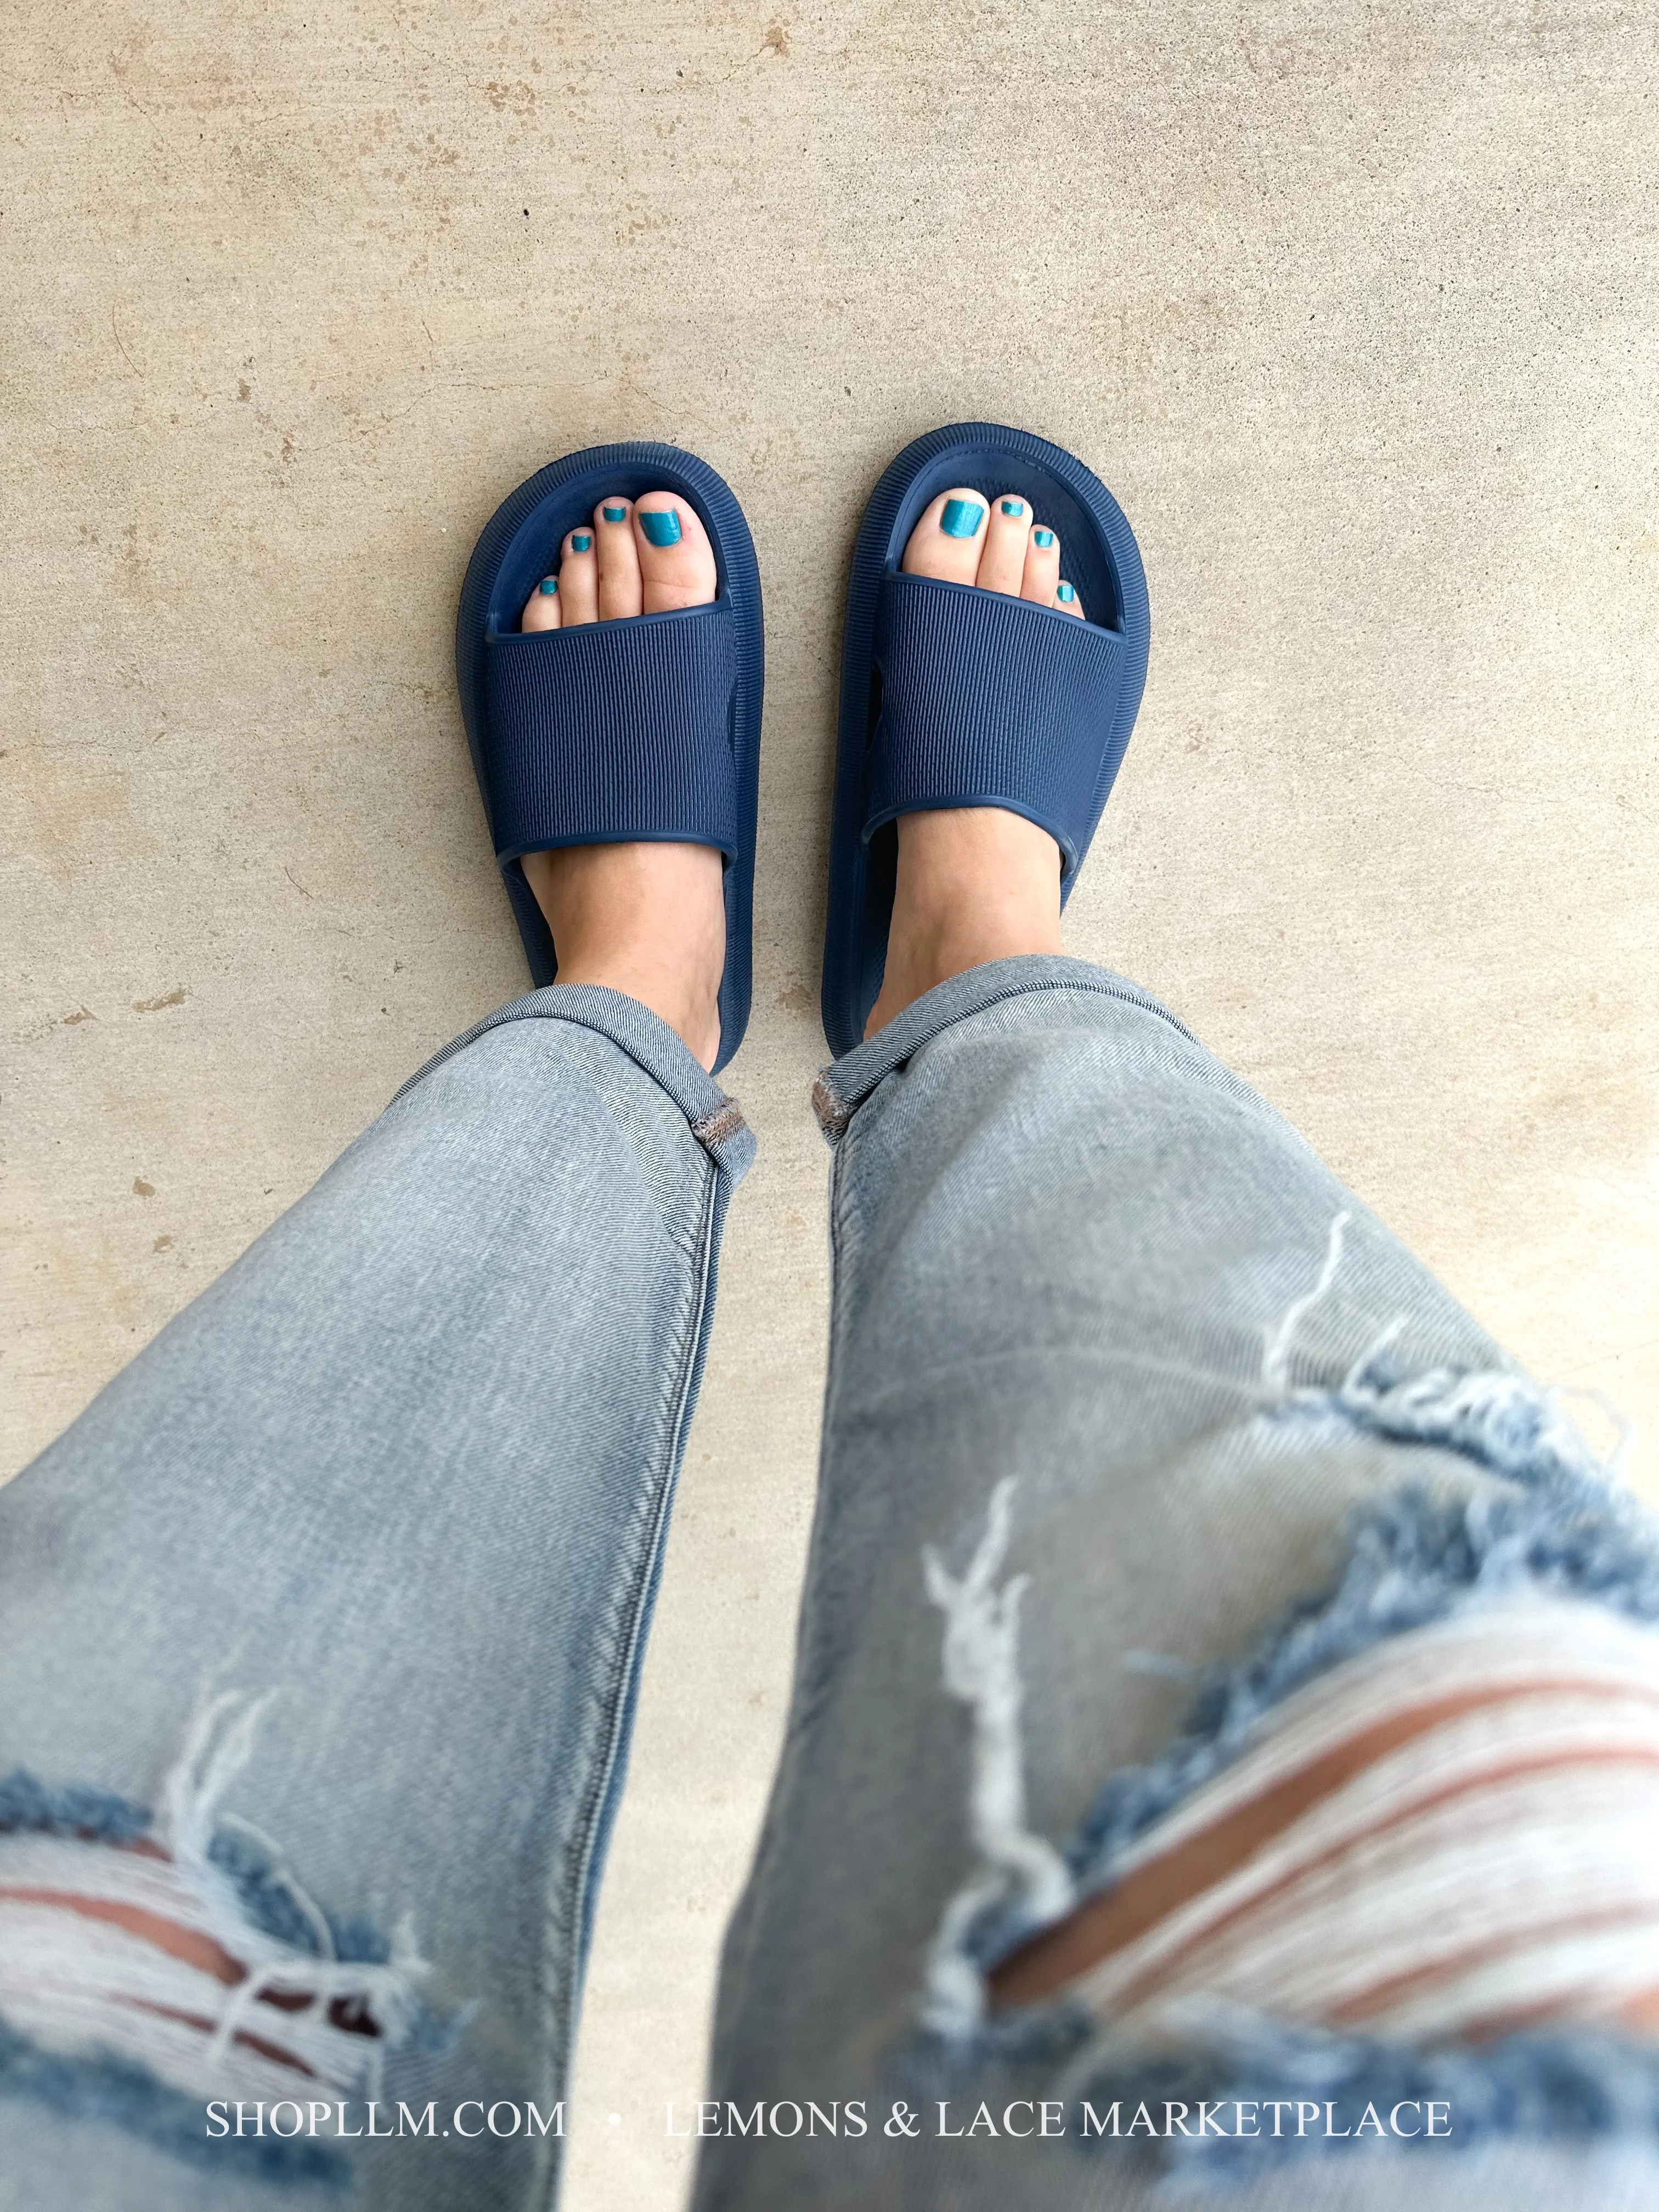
(844, 1086)
(716, 1120)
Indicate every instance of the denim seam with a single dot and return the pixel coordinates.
(574, 1915)
(836, 1109)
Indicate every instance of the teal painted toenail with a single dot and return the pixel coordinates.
(581, 541)
(961, 517)
(661, 527)
(549, 585)
(614, 513)
(1065, 594)
(1043, 537)
(1013, 506)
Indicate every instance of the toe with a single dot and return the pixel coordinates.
(619, 559)
(1002, 558)
(949, 538)
(1066, 600)
(541, 609)
(1041, 567)
(579, 579)
(676, 562)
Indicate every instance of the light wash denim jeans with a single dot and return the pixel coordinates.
(331, 1609)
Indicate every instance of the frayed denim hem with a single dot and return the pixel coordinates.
(1559, 1528)
(1565, 1531)
(143, 2035)
(264, 1886)
(107, 2089)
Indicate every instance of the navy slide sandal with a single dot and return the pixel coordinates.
(955, 697)
(647, 728)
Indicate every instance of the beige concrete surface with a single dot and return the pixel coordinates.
(1354, 307)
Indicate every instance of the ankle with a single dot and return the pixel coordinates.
(647, 919)
(974, 884)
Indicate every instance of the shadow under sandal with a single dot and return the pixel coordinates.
(955, 695)
(646, 728)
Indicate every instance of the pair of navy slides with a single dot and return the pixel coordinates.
(648, 727)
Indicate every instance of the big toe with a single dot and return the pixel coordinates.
(676, 562)
(949, 538)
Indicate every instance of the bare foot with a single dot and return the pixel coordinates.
(974, 883)
(645, 919)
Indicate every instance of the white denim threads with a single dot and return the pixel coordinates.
(1475, 1852)
(91, 1932)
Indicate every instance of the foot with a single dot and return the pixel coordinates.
(647, 919)
(975, 883)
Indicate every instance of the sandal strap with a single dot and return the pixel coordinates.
(612, 731)
(988, 700)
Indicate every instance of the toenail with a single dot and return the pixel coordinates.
(549, 585)
(1043, 537)
(1013, 506)
(1065, 594)
(661, 527)
(581, 541)
(615, 514)
(961, 517)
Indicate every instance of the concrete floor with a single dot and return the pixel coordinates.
(1352, 306)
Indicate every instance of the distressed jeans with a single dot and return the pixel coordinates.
(320, 1631)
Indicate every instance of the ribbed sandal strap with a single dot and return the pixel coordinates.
(613, 730)
(989, 700)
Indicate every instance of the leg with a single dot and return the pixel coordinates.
(323, 1622)
(1106, 1331)
(377, 1521)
